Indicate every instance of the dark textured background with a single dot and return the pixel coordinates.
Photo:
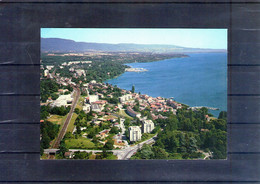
(20, 25)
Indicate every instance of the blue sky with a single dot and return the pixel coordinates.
(195, 38)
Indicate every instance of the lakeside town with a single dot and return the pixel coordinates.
(83, 118)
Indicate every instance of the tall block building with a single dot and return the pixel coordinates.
(147, 126)
(135, 133)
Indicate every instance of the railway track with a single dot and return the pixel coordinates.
(67, 121)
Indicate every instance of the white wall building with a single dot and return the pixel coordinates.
(49, 67)
(147, 126)
(132, 113)
(46, 72)
(80, 72)
(63, 100)
(135, 133)
(86, 108)
(125, 98)
(93, 98)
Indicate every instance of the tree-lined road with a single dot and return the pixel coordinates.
(123, 154)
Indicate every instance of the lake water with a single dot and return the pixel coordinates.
(198, 80)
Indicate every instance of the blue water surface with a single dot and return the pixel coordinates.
(198, 80)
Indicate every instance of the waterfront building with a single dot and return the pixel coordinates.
(135, 133)
(147, 126)
(174, 104)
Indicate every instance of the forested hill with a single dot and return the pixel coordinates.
(64, 45)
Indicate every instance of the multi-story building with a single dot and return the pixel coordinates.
(132, 113)
(92, 98)
(134, 133)
(63, 100)
(147, 126)
(125, 98)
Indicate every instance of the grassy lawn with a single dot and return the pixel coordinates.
(80, 143)
(80, 103)
(61, 122)
(92, 157)
(110, 117)
(57, 119)
(44, 156)
(123, 113)
(144, 138)
(111, 157)
(72, 121)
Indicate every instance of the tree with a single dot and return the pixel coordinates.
(133, 89)
(192, 145)
(78, 130)
(76, 110)
(159, 153)
(114, 130)
(222, 115)
(146, 152)
(63, 148)
(45, 142)
(81, 155)
(109, 145)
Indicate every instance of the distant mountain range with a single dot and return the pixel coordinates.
(64, 45)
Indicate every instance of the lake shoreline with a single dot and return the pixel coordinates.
(188, 90)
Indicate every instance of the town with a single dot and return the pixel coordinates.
(83, 118)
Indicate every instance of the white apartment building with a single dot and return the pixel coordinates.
(63, 100)
(92, 98)
(125, 98)
(147, 126)
(135, 133)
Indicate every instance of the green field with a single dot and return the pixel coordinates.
(80, 143)
(57, 119)
(72, 121)
(111, 157)
(123, 113)
(80, 103)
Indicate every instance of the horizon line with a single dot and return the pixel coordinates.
(132, 43)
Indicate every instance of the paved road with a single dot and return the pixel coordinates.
(123, 154)
(132, 149)
(67, 121)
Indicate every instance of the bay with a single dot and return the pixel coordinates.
(197, 80)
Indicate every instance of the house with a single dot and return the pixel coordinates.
(207, 117)
(96, 107)
(68, 154)
(63, 100)
(49, 67)
(116, 125)
(86, 108)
